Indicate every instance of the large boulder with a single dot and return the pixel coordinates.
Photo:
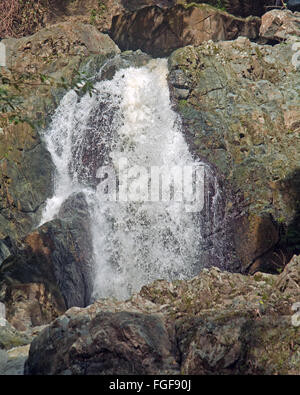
(25, 180)
(240, 110)
(159, 32)
(51, 269)
(216, 323)
(279, 25)
(96, 342)
(57, 48)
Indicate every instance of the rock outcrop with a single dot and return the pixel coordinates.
(215, 323)
(239, 102)
(51, 270)
(159, 32)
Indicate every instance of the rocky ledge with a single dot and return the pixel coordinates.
(217, 322)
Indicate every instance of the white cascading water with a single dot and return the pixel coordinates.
(129, 117)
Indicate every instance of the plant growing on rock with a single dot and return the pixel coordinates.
(14, 83)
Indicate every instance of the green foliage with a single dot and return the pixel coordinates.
(11, 102)
(80, 83)
(97, 13)
(220, 5)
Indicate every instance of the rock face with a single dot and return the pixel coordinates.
(293, 5)
(239, 102)
(278, 25)
(245, 8)
(217, 323)
(42, 273)
(52, 270)
(25, 165)
(159, 32)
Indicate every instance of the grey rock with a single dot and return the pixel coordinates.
(216, 323)
(103, 343)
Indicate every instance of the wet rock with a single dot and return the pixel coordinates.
(122, 61)
(218, 323)
(159, 32)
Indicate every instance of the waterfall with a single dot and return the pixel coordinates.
(128, 121)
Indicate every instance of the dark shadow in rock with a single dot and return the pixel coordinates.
(290, 239)
(276, 258)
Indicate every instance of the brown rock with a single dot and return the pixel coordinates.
(53, 48)
(31, 304)
(255, 237)
(159, 32)
(279, 25)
